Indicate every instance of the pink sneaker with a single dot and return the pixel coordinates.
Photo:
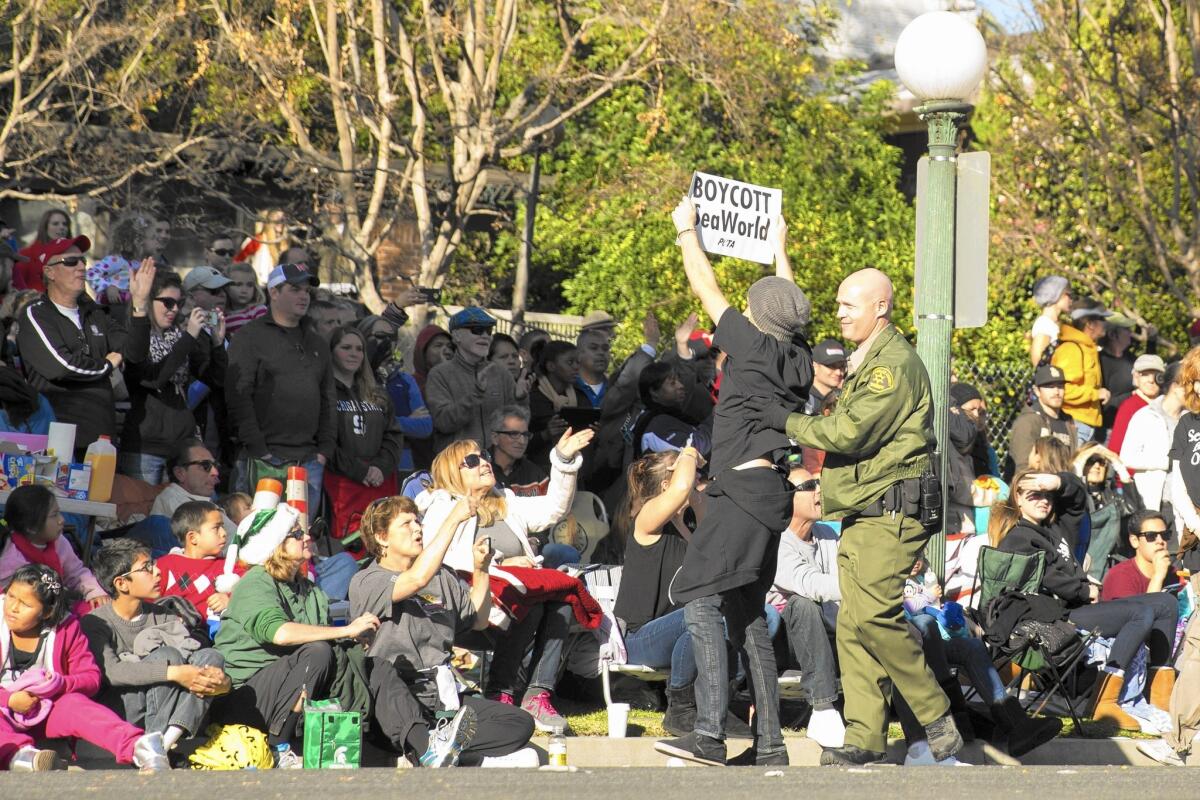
(505, 698)
(545, 717)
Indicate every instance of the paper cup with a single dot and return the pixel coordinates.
(618, 720)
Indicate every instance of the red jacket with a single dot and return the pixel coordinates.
(72, 660)
(544, 586)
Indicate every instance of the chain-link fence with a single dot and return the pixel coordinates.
(1005, 388)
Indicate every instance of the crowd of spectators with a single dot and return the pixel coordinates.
(442, 473)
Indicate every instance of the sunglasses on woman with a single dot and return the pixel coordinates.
(169, 303)
(473, 460)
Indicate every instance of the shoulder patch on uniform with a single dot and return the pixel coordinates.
(881, 380)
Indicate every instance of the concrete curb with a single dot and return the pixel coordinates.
(600, 751)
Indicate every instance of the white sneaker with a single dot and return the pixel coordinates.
(149, 754)
(287, 758)
(1161, 752)
(525, 758)
(919, 755)
(826, 728)
(449, 739)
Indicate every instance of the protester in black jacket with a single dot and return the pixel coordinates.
(70, 346)
(1048, 505)
(368, 446)
(159, 417)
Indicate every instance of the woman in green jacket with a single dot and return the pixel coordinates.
(276, 632)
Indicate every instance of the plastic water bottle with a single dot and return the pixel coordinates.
(102, 456)
(557, 748)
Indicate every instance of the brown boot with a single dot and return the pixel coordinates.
(1162, 684)
(1104, 706)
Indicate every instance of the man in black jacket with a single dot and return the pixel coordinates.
(70, 346)
(279, 387)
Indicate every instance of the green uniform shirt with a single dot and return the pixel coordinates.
(881, 431)
(257, 608)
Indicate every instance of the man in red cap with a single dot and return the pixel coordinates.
(70, 346)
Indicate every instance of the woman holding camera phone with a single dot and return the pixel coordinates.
(182, 350)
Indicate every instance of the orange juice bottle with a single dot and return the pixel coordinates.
(102, 456)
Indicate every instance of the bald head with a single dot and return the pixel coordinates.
(864, 304)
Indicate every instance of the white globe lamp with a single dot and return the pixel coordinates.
(941, 56)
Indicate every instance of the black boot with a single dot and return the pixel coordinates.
(1024, 732)
(680, 719)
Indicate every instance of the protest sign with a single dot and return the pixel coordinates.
(734, 218)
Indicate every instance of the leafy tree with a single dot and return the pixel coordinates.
(1094, 127)
(767, 110)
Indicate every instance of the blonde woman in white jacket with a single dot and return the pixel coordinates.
(462, 469)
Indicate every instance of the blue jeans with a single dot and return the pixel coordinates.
(334, 574)
(554, 555)
(536, 642)
(665, 642)
(1083, 433)
(740, 611)
(143, 467)
(969, 654)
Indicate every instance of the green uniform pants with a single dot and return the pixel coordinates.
(875, 649)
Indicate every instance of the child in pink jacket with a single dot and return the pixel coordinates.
(47, 679)
(35, 528)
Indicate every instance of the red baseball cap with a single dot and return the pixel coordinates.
(60, 246)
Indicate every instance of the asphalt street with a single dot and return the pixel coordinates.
(977, 783)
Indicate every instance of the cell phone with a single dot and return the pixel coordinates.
(429, 294)
(488, 541)
(214, 319)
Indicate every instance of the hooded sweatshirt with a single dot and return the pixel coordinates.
(420, 364)
(1064, 577)
(1079, 359)
(367, 434)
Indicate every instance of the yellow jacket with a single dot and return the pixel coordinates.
(1079, 359)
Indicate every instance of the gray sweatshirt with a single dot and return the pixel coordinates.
(109, 635)
(809, 569)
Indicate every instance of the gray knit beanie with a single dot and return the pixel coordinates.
(779, 308)
(1047, 290)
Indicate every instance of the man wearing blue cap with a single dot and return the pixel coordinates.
(463, 392)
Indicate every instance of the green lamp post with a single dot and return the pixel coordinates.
(941, 58)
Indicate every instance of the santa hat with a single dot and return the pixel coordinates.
(258, 535)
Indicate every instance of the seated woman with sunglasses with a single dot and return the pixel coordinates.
(1046, 506)
(463, 470)
(181, 351)
(276, 631)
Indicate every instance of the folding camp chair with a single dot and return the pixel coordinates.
(1052, 673)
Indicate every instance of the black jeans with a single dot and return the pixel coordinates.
(266, 700)
(740, 612)
(537, 640)
(808, 641)
(499, 730)
(1148, 619)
